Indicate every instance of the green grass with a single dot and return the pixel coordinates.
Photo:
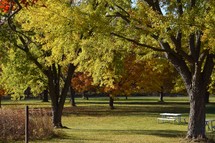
(133, 121)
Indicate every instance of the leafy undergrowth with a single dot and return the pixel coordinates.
(12, 124)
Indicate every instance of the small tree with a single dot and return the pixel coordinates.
(144, 75)
(2, 93)
(47, 58)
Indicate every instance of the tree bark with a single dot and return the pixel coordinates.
(27, 92)
(161, 94)
(58, 98)
(57, 115)
(161, 97)
(45, 96)
(85, 95)
(207, 97)
(72, 98)
(111, 102)
(196, 126)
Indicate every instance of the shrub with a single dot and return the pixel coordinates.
(12, 124)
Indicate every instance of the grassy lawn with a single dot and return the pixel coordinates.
(133, 121)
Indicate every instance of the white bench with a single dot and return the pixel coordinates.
(209, 123)
(176, 117)
(167, 119)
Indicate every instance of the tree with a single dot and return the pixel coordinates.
(160, 76)
(72, 98)
(44, 52)
(148, 74)
(81, 82)
(2, 93)
(27, 92)
(52, 51)
(177, 29)
(45, 95)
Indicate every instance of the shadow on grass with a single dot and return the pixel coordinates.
(62, 135)
(210, 108)
(149, 110)
(130, 109)
(106, 132)
(134, 102)
(160, 133)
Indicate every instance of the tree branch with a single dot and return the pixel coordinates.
(155, 5)
(182, 68)
(208, 69)
(67, 83)
(10, 21)
(139, 44)
(192, 3)
(198, 43)
(122, 9)
(180, 8)
(118, 14)
(203, 56)
(192, 46)
(177, 43)
(33, 59)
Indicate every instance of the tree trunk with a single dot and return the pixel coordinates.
(85, 95)
(27, 92)
(56, 112)
(72, 98)
(45, 96)
(207, 97)
(111, 102)
(161, 94)
(58, 98)
(56, 116)
(196, 126)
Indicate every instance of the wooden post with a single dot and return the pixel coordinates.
(26, 123)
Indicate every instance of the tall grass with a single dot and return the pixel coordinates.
(12, 124)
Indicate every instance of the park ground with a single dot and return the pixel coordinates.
(132, 121)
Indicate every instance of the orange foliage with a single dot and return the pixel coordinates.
(2, 92)
(82, 82)
(130, 79)
(5, 4)
(143, 76)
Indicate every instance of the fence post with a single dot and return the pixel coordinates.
(26, 123)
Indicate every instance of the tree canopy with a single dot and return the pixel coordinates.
(180, 30)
